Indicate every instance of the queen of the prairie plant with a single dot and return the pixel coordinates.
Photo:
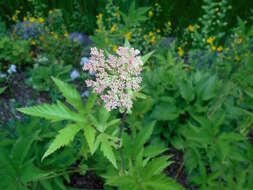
(117, 76)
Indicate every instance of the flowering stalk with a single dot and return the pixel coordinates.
(117, 76)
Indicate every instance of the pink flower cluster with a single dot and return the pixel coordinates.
(117, 76)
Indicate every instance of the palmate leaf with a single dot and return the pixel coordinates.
(64, 137)
(89, 134)
(54, 112)
(107, 150)
(71, 94)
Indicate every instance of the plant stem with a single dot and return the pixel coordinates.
(123, 121)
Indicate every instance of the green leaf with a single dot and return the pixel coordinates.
(54, 112)
(186, 90)
(165, 112)
(89, 134)
(145, 58)
(2, 89)
(63, 138)
(127, 44)
(71, 94)
(107, 150)
(143, 136)
(89, 103)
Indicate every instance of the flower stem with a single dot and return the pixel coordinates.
(123, 121)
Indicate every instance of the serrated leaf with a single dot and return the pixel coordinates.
(145, 58)
(89, 134)
(71, 94)
(63, 138)
(108, 151)
(54, 112)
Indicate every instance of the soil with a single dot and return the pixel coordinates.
(90, 181)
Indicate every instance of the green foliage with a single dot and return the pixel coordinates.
(20, 166)
(13, 52)
(145, 166)
(80, 119)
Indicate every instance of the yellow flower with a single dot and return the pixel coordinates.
(117, 14)
(113, 28)
(220, 49)
(237, 58)
(32, 19)
(98, 30)
(191, 28)
(99, 16)
(115, 48)
(41, 20)
(210, 40)
(150, 33)
(158, 30)
(169, 23)
(33, 42)
(17, 12)
(13, 18)
(128, 35)
(153, 40)
(213, 47)
(56, 36)
(238, 40)
(66, 34)
(52, 33)
(25, 19)
(180, 52)
(150, 13)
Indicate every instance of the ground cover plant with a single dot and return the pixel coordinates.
(120, 95)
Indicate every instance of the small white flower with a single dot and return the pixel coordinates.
(12, 69)
(74, 74)
(2, 75)
(84, 60)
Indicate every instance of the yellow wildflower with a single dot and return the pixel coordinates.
(237, 58)
(191, 28)
(150, 13)
(33, 42)
(66, 34)
(151, 33)
(117, 14)
(41, 20)
(17, 12)
(13, 18)
(153, 40)
(128, 35)
(220, 49)
(99, 16)
(56, 36)
(113, 28)
(213, 47)
(115, 48)
(180, 51)
(169, 23)
(210, 40)
(158, 30)
(32, 19)
(25, 19)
